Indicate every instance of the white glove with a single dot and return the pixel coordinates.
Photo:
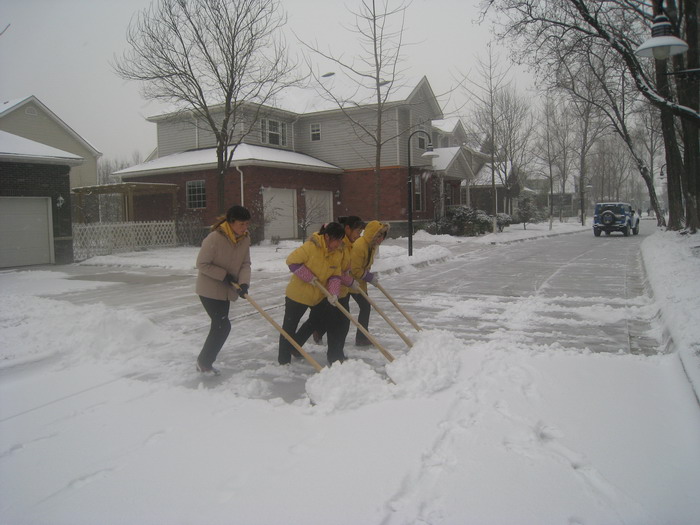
(355, 286)
(333, 300)
(375, 280)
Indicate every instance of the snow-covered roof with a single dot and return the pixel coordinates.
(445, 157)
(8, 106)
(447, 125)
(483, 176)
(245, 155)
(18, 149)
(300, 100)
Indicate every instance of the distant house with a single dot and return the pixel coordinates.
(35, 210)
(298, 168)
(481, 189)
(28, 117)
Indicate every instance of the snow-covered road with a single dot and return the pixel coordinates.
(540, 391)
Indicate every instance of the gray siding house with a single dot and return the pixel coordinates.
(302, 168)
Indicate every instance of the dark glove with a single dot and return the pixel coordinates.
(243, 291)
(230, 279)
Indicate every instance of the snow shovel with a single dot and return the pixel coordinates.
(381, 312)
(281, 330)
(393, 301)
(354, 321)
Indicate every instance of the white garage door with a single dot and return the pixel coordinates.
(319, 209)
(280, 211)
(26, 231)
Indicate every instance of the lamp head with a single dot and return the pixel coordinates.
(429, 153)
(662, 43)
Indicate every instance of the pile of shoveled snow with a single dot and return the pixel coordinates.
(431, 365)
(35, 328)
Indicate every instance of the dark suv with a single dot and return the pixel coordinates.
(615, 217)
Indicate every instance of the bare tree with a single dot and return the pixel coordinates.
(545, 147)
(514, 138)
(595, 77)
(589, 124)
(546, 32)
(612, 169)
(371, 77)
(564, 144)
(491, 80)
(111, 205)
(217, 60)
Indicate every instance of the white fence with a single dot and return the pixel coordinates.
(94, 239)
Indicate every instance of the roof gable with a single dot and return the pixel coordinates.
(10, 106)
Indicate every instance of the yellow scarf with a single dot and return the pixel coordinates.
(226, 228)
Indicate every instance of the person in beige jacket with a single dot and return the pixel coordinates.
(224, 259)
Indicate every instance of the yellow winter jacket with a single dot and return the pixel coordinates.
(324, 264)
(364, 250)
(347, 251)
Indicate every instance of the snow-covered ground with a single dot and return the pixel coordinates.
(465, 433)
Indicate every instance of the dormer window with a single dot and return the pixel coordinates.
(273, 132)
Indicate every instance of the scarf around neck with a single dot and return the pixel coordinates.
(226, 228)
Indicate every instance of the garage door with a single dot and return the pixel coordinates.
(280, 211)
(26, 231)
(319, 209)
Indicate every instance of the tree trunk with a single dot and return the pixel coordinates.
(221, 180)
(674, 162)
(689, 96)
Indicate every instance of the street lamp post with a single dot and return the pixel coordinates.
(429, 153)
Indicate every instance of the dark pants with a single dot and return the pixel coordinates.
(362, 318)
(218, 331)
(322, 318)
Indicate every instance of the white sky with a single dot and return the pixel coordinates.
(59, 51)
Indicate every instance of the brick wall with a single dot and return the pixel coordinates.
(44, 180)
(356, 192)
(254, 177)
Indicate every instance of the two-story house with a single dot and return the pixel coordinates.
(296, 169)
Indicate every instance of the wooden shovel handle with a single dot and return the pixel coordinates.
(408, 317)
(354, 321)
(282, 331)
(391, 323)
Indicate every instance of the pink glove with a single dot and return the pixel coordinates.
(333, 285)
(302, 271)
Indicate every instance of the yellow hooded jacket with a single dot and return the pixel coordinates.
(347, 254)
(324, 264)
(364, 250)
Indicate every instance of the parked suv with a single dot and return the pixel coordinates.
(615, 217)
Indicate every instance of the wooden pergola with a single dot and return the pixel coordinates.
(128, 190)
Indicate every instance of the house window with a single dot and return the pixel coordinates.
(196, 194)
(448, 194)
(315, 132)
(418, 193)
(421, 141)
(273, 132)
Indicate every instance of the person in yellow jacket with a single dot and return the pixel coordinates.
(322, 259)
(353, 227)
(223, 259)
(361, 258)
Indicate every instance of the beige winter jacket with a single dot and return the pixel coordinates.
(217, 257)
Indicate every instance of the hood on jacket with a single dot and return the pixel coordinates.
(319, 240)
(375, 229)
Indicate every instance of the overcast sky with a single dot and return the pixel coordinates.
(60, 51)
